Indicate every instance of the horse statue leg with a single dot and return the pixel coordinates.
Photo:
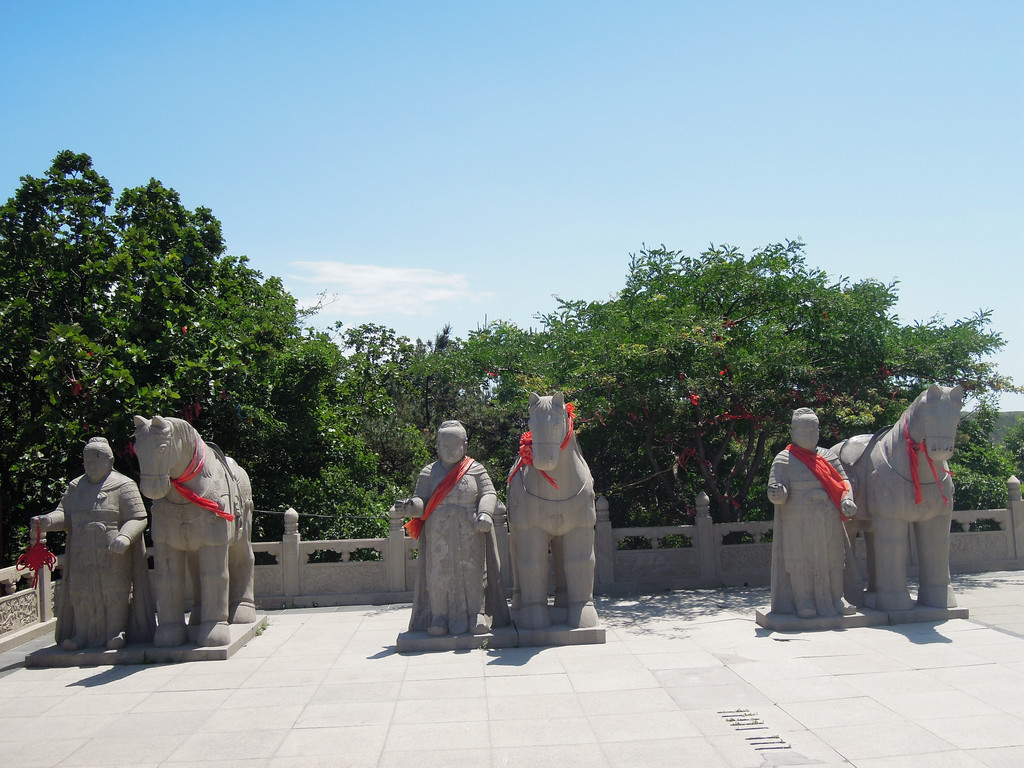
(213, 587)
(891, 540)
(241, 602)
(169, 583)
(932, 537)
(532, 572)
(578, 564)
(558, 564)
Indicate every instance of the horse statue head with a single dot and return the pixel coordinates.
(550, 428)
(161, 450)
(933, 418)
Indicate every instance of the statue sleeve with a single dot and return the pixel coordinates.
(833, 459)
(425, 484)
(488, 497)
(779, 472)
(131, 506)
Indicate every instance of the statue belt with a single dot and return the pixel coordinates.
(806, 485)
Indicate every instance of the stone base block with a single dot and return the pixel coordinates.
(503, 637)
(788, 622)
(146, 654)
(560, 634)
(921, 613)
(421, 642)
(864, 617)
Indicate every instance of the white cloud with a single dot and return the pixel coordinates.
(365, 290)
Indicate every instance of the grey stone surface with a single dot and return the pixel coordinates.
(105, 599)
(684, 677)
(809, 544)
(202, 522)
(901, 483)
(421, 642)
(788, 622)
(551, 507)
(144, 653)
(459, 587)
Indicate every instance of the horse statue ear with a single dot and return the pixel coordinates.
(957, 393)
(934, 392)
(160, 422)
(140, 423)
(558, 400)
(534, 399)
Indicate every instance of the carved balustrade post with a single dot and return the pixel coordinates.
(291, 567)
(395, 553)
(1016, 508)
(604, 546)
(707, 547)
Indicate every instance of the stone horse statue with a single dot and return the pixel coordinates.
(202, 520)
(900, 478)
(551, 503)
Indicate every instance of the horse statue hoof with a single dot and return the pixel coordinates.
(582, 616)
(170, 635)
(534, 617)
(243, 613)
(213, 633)
(936, 596)
(896, 600)
(438, 627)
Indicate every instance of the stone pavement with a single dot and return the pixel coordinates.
(686, 678)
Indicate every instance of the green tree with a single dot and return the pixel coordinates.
(687, 378)
(1013, 441)
(980, 468)
(135, 308)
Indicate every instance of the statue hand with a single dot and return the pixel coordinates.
(777, 493)
(849, 508)
(484, 523)
(119, 545)
(41, 523)
(408, 508)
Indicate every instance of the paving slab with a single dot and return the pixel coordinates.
(682, 677)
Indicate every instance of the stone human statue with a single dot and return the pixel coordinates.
(458, 584)
(105, 597)
(811, 493)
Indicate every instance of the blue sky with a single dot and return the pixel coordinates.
(444, 162)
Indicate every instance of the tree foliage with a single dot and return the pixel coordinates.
(113, 308)
(980, 468)
(687, 378)
(684, 381)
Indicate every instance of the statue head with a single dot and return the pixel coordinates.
(804, 428)
(98, 459)
(451, 443)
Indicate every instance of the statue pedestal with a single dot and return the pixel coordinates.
(560, 634)
(147, 654)
(421, 642)
(925, 613)
(789, 622)
(864, 617)
(504, 637)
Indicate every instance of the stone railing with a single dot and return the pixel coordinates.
(296, 573)
(357, 571)
(691, 556)
(25, 612)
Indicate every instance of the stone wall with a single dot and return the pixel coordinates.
(296, 573)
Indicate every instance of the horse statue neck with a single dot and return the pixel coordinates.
(185, 435)
(908, 452)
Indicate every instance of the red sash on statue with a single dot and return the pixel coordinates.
(415, 526)
(830, 479)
